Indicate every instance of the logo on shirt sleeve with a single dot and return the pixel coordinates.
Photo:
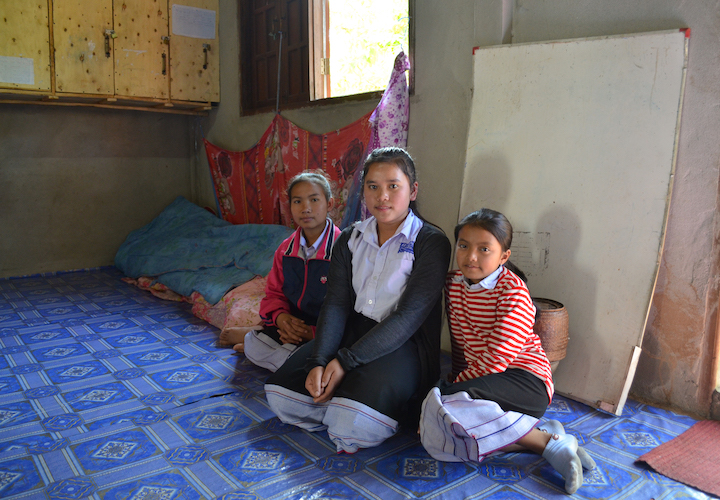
(406, 247)
(323, 279)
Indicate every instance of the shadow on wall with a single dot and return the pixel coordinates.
(567, 281)
(486, 186)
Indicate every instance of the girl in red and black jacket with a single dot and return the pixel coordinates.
(297, 282)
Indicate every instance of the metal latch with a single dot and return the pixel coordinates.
(108, 35)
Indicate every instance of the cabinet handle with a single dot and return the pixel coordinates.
(206, 48)
(108, 34)
(166, 41)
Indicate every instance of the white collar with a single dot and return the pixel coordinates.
(303, 241)
(488, 282)
(408, 228)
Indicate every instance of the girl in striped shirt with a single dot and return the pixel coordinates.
(501, 379)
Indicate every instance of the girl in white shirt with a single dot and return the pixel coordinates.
(377, 344)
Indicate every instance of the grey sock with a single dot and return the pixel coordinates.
(555, 427)
(562, 455)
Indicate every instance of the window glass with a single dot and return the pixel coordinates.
(320, 49)
(364, 38)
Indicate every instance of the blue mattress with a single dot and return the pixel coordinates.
(188, 249)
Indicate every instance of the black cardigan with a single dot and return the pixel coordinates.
(418, 313)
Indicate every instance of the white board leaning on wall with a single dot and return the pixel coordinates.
(575, 142)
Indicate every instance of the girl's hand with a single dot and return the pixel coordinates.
(292, 330)
(313, 382)
(331, 378)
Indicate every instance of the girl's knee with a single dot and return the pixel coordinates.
(295, 409)
(352, 425)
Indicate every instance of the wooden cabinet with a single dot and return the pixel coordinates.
(117, 53)
(82, 40)
(24, 45)
(141, 51)
(195, 62)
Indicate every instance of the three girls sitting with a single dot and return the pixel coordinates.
(376, 349)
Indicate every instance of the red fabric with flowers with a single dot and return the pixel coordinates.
(251, 185)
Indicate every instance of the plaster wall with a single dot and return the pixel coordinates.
(74, 182)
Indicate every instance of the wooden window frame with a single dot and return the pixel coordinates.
(313, 86)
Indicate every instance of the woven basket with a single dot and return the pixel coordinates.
(551, 325)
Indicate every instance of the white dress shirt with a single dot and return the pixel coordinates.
(380, 274)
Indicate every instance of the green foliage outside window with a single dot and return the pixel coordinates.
(365, 38)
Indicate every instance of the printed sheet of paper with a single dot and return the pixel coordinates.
(18, 70)
(193, 22)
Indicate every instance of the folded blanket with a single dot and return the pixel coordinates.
(190, 250)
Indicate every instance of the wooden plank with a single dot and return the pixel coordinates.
(202, 111)
(82, 64)
(24, 45)
(140, 53)
(195, 62)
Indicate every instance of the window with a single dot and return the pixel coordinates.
(323, 49)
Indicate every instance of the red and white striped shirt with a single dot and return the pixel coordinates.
(492, 330)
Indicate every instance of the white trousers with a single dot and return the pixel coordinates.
(350, 425)
(456, 428)
(263, 351)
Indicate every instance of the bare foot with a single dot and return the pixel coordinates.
(234, 335)
(239, 347)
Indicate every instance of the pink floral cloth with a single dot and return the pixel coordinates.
(251, 185)
(239, 307)
(157, 289)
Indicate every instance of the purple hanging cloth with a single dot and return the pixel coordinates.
(389, 124)
(390, 118)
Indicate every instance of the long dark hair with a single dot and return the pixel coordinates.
(496, 224)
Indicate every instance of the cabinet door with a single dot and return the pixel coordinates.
(83, 46)
(141, 49)
(194, 51)
(24, 45)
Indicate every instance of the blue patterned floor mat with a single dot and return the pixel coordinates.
(107, 392)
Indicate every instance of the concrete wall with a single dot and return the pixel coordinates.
(75, 181)
(440, 108)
